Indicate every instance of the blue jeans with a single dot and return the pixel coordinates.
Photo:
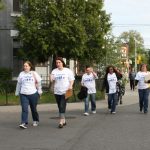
(27, 100)
(61, 103)
(143, 99)
(93, 103)
(112, 99)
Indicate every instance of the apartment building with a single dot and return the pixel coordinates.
(8, 42)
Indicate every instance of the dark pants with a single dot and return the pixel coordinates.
(27, 100)
(112, 98)
(143, 99)
(61, 103)
(132, 84)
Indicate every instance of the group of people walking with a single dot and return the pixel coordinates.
(29, 89)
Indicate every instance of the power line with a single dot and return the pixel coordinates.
(131, 25)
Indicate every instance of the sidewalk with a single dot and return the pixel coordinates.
(79, 105)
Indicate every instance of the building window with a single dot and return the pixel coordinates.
(16, 5)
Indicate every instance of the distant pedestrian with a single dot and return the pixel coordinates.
(63, 80)
(110, 84)
(29, 89)
(88, 80)
(132, 75)
(143, 88)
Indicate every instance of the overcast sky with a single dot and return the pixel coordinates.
(130, 15)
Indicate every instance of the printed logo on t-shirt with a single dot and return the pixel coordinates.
(27, 79)
(88, 79)
(60, 77)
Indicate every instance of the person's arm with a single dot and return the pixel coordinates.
(137, 78)
(95, 75)
(39, 88)
(18, 88)
(52, 78)
(38, 82)
(71, 84)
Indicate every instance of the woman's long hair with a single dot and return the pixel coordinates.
(30, 64)
(61, 59)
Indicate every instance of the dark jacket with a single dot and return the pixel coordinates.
(82, 93)
(105, 82)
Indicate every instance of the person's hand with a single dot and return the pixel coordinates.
(145, 81)
(70, 87)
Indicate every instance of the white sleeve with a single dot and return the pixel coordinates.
(39, 80)
(137, 77)
(18, 88)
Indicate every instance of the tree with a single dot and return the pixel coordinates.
(1, 5)
(68, 28)
(134, 41)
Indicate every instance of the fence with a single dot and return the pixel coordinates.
(8, 88)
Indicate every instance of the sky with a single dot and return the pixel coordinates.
(130, 15)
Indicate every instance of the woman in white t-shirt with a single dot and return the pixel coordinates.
(110, 84)
(28, 88)
(143, 87)
(63, 79)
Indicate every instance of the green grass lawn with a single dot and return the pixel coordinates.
(47, 97)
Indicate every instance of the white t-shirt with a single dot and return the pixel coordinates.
(62, 80)
(89, 82)
(112, 80)
(26, 83)
(140, 76)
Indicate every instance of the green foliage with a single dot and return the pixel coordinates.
(130, 38)
(68, 28)
(5, 84)
(1, 5)
(5, 74)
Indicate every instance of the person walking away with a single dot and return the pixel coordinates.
(132, 76)
(29, 89)
(143, 88)
(88, 80)
(110, 83)
(63, 80)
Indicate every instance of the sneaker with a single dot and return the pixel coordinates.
(109, 110)
(94, 112)
(23, 126)
(86, 114)
(35, 123)
(60, 125)
(113, 112)
(64, 124)
(145, 112)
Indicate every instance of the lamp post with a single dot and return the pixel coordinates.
(135, 55)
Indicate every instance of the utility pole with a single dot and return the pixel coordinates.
(135, 54)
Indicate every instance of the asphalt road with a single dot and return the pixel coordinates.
(128, 129)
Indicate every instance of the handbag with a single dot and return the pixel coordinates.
(68, 93)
